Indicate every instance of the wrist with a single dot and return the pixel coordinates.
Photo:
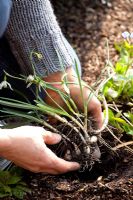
(5, 142)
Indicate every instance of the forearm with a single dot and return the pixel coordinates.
(4, 141)
(33, 27)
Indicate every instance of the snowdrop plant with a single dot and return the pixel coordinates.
(78, 124)
(114, 90)
(5, 84)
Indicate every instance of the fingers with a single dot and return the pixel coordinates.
(94, 107)
(73, 166)
(58, 165)
(51, 138)
(63, 166)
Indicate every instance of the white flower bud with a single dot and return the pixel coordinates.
(5, 84)
(30, 78)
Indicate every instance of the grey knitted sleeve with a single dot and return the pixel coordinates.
(33, 27)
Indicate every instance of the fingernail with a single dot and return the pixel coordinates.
(57, 137)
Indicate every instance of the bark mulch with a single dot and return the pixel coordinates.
(87, 24)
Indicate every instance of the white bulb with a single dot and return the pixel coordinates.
(93, 139)
(87, 150)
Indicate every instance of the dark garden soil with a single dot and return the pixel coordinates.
(87, 24)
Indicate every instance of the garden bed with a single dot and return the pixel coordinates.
(87, 26)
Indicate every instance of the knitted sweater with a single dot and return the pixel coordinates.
(33, 27)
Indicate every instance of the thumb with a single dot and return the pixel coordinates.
(51, 138)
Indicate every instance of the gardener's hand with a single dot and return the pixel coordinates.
(27, 148)
(94, 106)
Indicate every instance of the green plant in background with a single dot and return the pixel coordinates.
(120, 85)
(118, 90)
(12, 185)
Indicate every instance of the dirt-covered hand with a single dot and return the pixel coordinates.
(27, 148)
(94, 105)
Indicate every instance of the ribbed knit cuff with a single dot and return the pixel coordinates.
(33, 27)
